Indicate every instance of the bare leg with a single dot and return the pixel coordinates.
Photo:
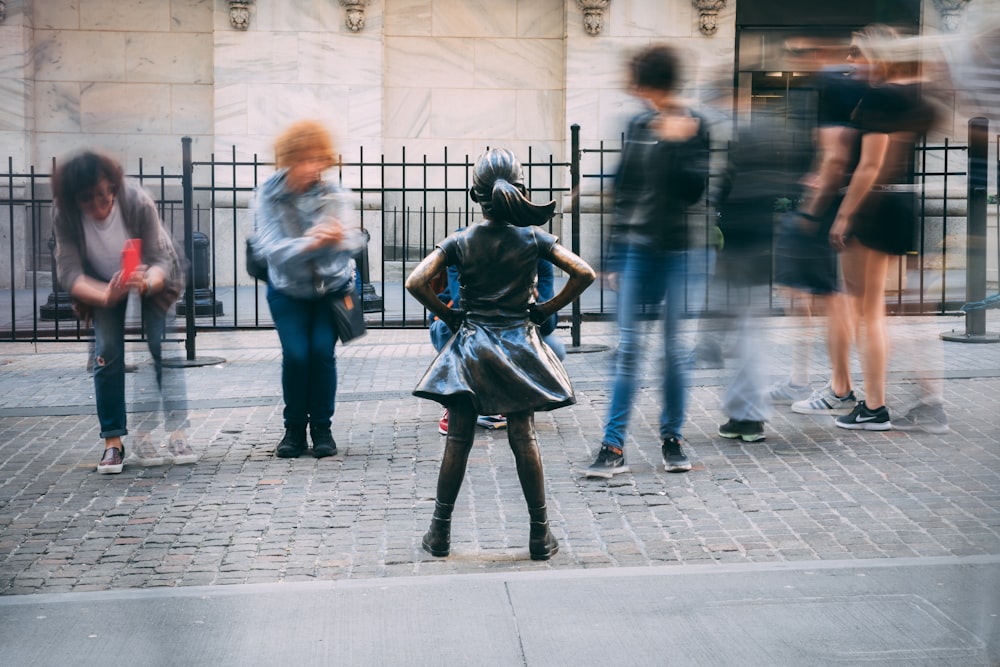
(461, 428)
(840, 336)
(876, 347)
(843, 318)
(801, 304)
(542, 545)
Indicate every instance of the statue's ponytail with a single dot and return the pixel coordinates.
(498, 186)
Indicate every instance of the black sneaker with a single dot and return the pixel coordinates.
(293, 445)
(674, 458)
(863, 419)
(610, 461)
(739, 429)
(323, 443)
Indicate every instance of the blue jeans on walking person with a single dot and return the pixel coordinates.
(308, 363)
(647, 277)
(109, 368)
(745, 398)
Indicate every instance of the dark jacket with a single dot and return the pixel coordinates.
(656, 183)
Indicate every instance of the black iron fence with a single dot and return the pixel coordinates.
(407, 205)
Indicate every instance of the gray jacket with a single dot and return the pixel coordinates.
(281, 219)
(141, 222)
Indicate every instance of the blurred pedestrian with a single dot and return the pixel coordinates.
(877, 218)
(496, 361)
(307, 234)
(806, 265)
(764, 162)
(98, 215)
(662, 171)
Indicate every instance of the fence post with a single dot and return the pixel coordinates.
(574, 178)
(189, 324)
(975, 249)
(186, 167)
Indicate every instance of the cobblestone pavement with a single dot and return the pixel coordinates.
(809, 492)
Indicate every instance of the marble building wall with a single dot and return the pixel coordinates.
(129, 77)
(461, 76)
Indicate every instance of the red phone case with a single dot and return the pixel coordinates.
(131, 256)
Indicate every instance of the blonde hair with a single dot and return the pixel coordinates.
(890, 52)
(301, 140)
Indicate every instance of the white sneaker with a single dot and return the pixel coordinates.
(825, 402)
(146, 453)
(180, 449)
(786, 393)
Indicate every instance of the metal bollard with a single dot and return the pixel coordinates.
(975, 253)
(205, 304)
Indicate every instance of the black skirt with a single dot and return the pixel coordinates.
(502, 369)
(887, 221)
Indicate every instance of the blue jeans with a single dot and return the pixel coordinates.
(648, 276)
(308, 362)
(746, 398)
(109, 370)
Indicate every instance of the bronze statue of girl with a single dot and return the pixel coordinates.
(496, 362)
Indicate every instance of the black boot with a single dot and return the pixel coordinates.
(293, 445)
(542, 544)
(437, 540)
(323, 442)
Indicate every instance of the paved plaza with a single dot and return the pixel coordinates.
(891, 537)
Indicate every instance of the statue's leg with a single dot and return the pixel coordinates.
(542, 545)
(461, 430)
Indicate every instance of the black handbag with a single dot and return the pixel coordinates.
(256, 267)
(348, 317)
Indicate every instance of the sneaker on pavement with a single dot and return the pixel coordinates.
(863, 419)
(112, 460)
(825, 402)
(741, 429)
(927, 417)
(443, 424)
(610, 461)
(492, 421)
(674, 458)
(180, 450)
(146, 453)
(786, 393)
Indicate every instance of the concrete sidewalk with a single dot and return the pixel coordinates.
(934, 612)
(818, 545)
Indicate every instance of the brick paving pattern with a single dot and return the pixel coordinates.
(809, 492)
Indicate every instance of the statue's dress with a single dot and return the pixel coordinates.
(497, 357)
